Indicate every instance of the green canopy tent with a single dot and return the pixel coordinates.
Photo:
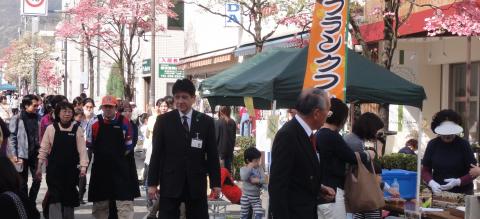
(278, 75)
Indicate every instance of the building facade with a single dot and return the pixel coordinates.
(436, 63)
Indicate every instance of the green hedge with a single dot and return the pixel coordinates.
(241, 144)
(399, 161)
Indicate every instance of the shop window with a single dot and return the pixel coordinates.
(178, 22)
(458, 96)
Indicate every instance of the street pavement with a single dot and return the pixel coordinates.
(85, 211)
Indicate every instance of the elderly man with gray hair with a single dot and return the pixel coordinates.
(295, 172)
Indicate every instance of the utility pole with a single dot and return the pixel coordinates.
(468, 89)
(98, 60)
(65, 76)
(152, 61)
(65, 56)
(35, 21)
(82, 68)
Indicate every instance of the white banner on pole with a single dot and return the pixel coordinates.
(34, 7)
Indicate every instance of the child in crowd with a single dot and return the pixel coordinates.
(79, 116)
(253, 178)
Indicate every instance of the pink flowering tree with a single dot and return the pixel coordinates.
(119, 25)
(47, 77)
(23, 56)
(83, 27)
(257, 14)
(389, 12)
(462, 19)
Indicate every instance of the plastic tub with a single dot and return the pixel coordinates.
(406, 179)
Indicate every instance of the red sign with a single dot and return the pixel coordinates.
(34, 3)
(34, 7)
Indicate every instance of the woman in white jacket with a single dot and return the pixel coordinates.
(162, 106)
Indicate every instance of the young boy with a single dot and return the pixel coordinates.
(253, 178)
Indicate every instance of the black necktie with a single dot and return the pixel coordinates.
(185, 123)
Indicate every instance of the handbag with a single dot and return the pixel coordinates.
(362, 191)
(229, 189)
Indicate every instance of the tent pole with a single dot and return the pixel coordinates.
(274, 107)
(274, 111)
(419, 156)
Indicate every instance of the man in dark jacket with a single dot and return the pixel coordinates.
(295, 173)
(24, 143)
(225, 130)
(184, 152)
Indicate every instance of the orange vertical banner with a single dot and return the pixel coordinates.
(326, 63)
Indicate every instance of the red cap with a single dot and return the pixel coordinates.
(109, 101)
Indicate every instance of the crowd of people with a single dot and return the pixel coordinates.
(310, 161)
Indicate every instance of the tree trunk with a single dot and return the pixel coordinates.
(258, 47)
(129, 82)
(358, 36)
(91, 77)
(129, 55)
(82, 65)
(387, 54)
(388, 36)
(258, 29)
(121, 63)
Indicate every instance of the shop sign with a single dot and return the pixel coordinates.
(166, 70)
(146, 66)
(232, 10)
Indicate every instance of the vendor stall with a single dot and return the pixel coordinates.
(278, 75)
(274, 79)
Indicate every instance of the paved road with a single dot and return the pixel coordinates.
(85, 211)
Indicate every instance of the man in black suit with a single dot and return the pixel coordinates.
(295, 174)
(184, 152)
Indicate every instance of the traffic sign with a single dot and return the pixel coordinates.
(34, 7)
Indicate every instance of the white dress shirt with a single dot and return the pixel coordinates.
(308, 131)
(189, 118)
(305, 126)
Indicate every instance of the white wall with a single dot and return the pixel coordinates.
(168, 44)
(427, 64)
(206, 32)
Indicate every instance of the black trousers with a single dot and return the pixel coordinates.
(82, 183)
(195, 208)
(30, 165)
